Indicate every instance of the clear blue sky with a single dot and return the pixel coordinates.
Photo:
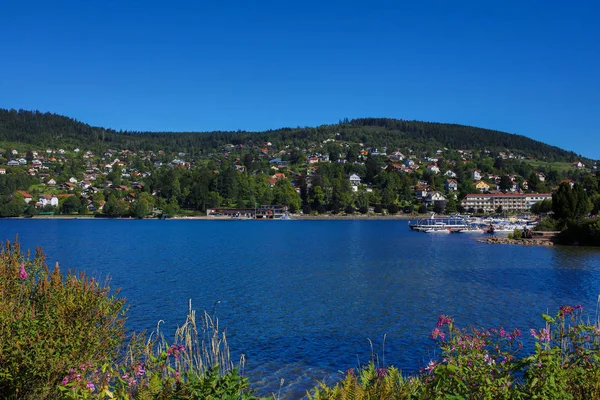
(527, 67)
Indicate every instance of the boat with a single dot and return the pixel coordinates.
(433, 222)
(433, 230)
(475, 231)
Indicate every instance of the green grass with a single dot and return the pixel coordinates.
(557, 166)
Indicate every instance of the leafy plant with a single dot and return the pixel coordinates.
(49, 321)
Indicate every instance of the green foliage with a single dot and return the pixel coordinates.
(50, 321)
(370, 382)
(570, 204)
(584, 232)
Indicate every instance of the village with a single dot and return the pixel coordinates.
(443, 180)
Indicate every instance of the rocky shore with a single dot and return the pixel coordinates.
(524, 242)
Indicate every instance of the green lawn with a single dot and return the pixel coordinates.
(557, 166)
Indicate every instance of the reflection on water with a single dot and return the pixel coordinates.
(302, 299)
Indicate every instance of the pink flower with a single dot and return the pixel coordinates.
(22, 273)
(90, 386)
(65, 381)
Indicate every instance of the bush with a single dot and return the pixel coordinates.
(393, 208)
(363, 209)
(306, 209)
(349, 210)
(51, 321)
(546, 225)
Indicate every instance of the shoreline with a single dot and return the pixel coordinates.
(220, 218)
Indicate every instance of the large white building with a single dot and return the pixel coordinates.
(508, 201)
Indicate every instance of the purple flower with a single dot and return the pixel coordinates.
(90, 386)
(22, 273)
(382, 372)
(444, 320)
(65, 381)
(565, 310)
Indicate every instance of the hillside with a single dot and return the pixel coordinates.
(47, 129)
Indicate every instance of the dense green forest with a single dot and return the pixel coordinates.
(47, 129)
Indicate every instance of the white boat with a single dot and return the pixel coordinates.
(432, 222)
(476, 231)
(434, 230)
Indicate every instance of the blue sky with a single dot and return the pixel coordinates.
(526, 67)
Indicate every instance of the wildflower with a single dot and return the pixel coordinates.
(350, 372)
(22, 273)
(65, 381)
(444, 320)
(382, 372)
(516, 333)
(174, 350)
(430, 367)
(90, 386)
(565, 310)
(437, 333)
(139, 369)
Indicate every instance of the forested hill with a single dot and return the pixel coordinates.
(45, 129)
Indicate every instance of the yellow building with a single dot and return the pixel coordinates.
(482, 186)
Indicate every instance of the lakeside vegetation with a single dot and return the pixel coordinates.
(63, 336)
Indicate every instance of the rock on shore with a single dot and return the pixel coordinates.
(524, 242)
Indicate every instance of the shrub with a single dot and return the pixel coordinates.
(306, 209)
(363, 209)
(393, 208)
(546, 224)
(349, 210)
(370, 382)
(50, 321)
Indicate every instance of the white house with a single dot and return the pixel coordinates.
(541, 177)
(578, 165)
(450, 174)
(476, 174)
(435, 196)
(354, 181)
(433, 168)
(2, 171)
(451, 185)
(48, 199)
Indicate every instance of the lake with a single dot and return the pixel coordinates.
(303, 300)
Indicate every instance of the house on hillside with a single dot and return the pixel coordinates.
(48, 200)
(354, 181)
(482, 186)
(476, 174)
(578, 165)
(450, 174)
(451, 185)
(26, 195)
